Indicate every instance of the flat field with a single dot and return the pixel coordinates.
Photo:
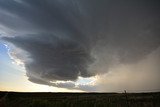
(17, 99)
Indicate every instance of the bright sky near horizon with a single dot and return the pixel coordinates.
(77, 46)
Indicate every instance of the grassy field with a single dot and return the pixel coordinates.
(13, 99)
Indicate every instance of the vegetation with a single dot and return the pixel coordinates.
(13, 99)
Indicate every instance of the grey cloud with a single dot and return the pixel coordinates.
(54, 58)
(140, 77)
(67, 39)
(68, 84)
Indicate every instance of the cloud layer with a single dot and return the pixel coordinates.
(68, 39)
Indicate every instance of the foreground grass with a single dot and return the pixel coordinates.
(12, 99)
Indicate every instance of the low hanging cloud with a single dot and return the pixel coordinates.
(65, 40)
(53, 58)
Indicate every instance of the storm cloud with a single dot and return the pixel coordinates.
(67, 39)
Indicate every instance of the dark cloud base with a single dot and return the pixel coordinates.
(59, 59)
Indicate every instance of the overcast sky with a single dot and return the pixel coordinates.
(80, 45)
